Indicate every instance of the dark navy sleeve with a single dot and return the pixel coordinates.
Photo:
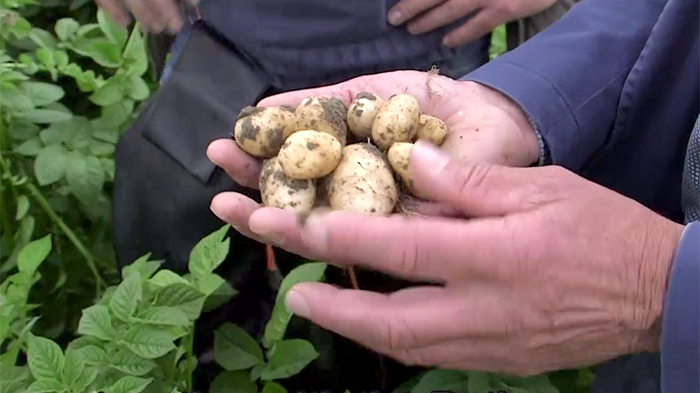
(680, 332)
(568, 78)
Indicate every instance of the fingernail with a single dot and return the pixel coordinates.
(394, 17)
(297, 304)
(428, 155)
(314, 234)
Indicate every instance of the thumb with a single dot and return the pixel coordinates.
(477, 189)
(342, 91)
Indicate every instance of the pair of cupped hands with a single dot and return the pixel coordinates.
(539, 268)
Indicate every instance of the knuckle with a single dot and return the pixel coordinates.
(395, 336)
(469, 178)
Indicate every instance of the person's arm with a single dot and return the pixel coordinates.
(680, 331)
(568, 78)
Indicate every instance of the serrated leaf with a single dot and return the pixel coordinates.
(45, 358)
(442, 380)
(209, 252)
(288, 359)
(45, 386)
(166, 277)
(22, 207)
(97, 322)
(183, 296)
(50, 164)
(129, 384)
(165, 316)
(234, 349)
(279, 319)
(130, 363)
(42, 93)
(233, 382)
(148, 342)
(42, 116)
(127, 297)
(33, 254)
(273, 387)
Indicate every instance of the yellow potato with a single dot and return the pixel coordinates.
(398, 157)
(278, 190)
(362, 182)
(261, 132)
(361, 114)
(396, 121)
(432, 129)
(323, 114)
(309, 155)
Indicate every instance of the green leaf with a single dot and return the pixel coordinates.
(22, 207)
(165, 316)
(92, 355)
(220, 295)
(85, 177)
(256, 371)
(33, 254)
(129, 384)
(234, 349)
(534, 384)
(127, 297)
(288, 359)
(73, 368)
(233, 382)
(110, 93)
(45, 57)
(478, 381)
(130, 363)
(50, 164)
(148, 341)
(42, 93)
(45, 358)
(279, 319)
(116, 34)
(183, 296)
(97, 322)
(135, 55)
(137, 88)
(42, 116)
(31, 147)
(273, 387)
(87, 377)
(117, 113)
(166, 277)
(45, 386)
(103, 52)
(14, 98)
(42, 38)
(209, 252)
(51, 136)
(443, 380)
(143, 265)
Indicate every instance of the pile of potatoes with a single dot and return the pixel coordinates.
(324, 154)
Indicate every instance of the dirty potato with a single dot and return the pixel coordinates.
(309, 154)
(432, 129)
(323, 114)
(362, 182)
(261, 132)
(396, 121)
(361, 114)
(398, 155)
(278, 190)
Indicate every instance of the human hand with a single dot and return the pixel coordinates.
(426, 15)
(154, 15)
(553, 271)
(483, 124)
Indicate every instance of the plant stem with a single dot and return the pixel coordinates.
(5, 187)
(190, 356)
(99, 282)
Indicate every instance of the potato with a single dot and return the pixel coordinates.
(396, 121)
(362, 182)
(432, 129)
(309, 154)
(261, 132)
(398, 155)
(323, 114)
(361, 114)
(278, 190)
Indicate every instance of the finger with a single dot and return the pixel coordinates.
(169, 13)
(431, 209)
(479, 189)
(406, 320)
(144, 15)
(235, 209)
(115, 10)
(408, 9)
(414, 248)
(240, 166)
(443, 15)
(482, 23)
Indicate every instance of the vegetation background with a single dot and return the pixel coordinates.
(71, 82)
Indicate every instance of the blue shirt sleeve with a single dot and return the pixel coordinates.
(568, 78)
(680, 332)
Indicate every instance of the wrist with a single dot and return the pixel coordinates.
(658, 253)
